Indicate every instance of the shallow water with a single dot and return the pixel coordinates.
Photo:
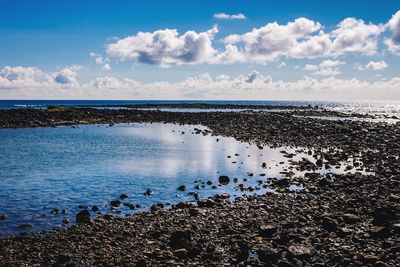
(64, 167)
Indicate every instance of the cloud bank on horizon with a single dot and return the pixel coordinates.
(302, 40)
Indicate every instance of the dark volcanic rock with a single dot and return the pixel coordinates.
(224, 180)
(83, 217)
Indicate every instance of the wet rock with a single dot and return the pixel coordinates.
(66, 221)
(182, 188)
(123, 196)
(115, 203)
(83, 217)
(95, 208)
(3, 217)
(319, 163)
(55, 211)
(148, 192)
(224, 180)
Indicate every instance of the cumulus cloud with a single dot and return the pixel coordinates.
(31, 83)
(325, 68)
(100, 60)
(304, 38)
(227, 16)
(393, 43)
(165, 47)
(373, 65)
(299, 39)
(67, 76)
(31, 77)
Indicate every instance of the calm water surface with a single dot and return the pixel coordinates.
(64, 167)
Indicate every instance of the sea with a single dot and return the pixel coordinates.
(387, 108)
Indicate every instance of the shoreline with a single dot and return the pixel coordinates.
(349, 219)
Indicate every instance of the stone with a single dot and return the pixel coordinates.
(268, 230)
(350, 218)
(181, 253)
(123, 196)
(115, 203)
(66, 221)
(83, 217)
(3, 217)
(182, 188)
(180, 239)
(224, 180)
(267, 254)
(148, 192)
(301, 250)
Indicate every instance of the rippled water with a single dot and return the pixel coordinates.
(64, 167)
(389, 108)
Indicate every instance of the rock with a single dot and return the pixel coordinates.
(148, 192)
(224, 180)
(182, 188)
(267, 254)
(181, 253)
(83, 217)
(283, 182)
(115, 203)
(3, 217)
(66, 221)
(180, 239)
(95, 208)
(156, 207)
(63, 259)
(56, 211)
(301, 250)
(350, 218)
(370, 259)
(379, 231)
(329, 224)
(319, 163)
(123, 196)
(384, 215)
(268, 230)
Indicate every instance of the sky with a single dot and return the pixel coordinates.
(209, 49)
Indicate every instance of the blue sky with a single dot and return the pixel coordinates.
(65, 39)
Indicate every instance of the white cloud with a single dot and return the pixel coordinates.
(100, 60)
(352, 35)
(165, 47)
(32, 83)
(273, 40)
(67, 76)
(325, 68)
(106, 67)
(373, 65)
(394, 42)
(227, 16)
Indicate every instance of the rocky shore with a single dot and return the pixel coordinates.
(338, 220)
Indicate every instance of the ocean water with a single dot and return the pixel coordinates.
(61, 168)
(386, 108)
